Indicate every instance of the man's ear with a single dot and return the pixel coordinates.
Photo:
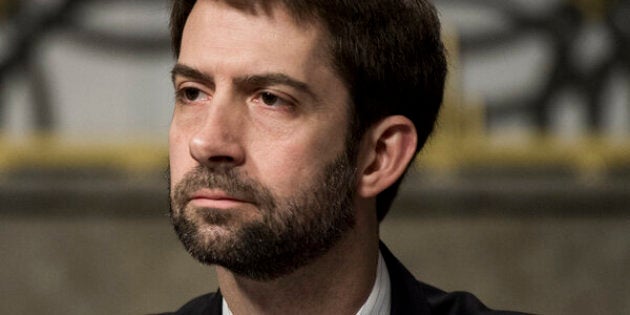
(386, 150)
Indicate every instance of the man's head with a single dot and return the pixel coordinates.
(288, 115)
(388, 54)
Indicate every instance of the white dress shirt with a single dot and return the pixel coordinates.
(379, 300)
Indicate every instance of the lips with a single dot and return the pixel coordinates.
(218, 199)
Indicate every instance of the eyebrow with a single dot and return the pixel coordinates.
(272, 78)
(192, 73)
(258, 80)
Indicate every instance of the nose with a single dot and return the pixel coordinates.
(217, 141)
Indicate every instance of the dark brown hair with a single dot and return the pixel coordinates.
(388, 53)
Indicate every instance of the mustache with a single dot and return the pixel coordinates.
(228, 180)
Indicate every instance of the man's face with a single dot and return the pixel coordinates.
(261, 182)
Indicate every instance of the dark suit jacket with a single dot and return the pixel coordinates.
(408, 296)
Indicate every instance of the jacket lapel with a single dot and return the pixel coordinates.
(407, 294)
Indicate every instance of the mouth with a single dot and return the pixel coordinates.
(216, 199)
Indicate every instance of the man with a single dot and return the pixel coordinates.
(294, 123)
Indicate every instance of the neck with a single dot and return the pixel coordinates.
(338, 282)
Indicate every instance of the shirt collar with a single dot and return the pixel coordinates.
(379, 300)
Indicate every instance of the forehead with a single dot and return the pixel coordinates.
(221, 27)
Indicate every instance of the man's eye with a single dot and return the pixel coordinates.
(269, 99)
(191, 94)
(273, 100)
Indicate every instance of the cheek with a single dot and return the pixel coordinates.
(179, 158)
(292, 165)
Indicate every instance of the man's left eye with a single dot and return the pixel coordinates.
(270, 99)
(273, 100)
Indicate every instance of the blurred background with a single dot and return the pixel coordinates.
(522, 196)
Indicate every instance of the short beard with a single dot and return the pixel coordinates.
(292, 232)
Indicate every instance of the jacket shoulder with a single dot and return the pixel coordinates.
(458, 302)
(410, 296)
(207, 304)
